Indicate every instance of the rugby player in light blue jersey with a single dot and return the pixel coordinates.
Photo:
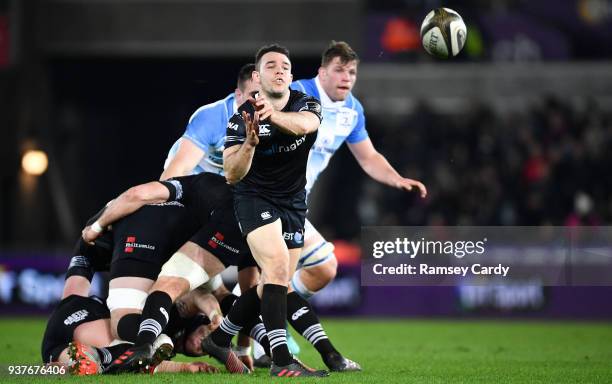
(343, 121)
(200, 149)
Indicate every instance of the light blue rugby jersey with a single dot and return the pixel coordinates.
(206, 129)
(342, 121)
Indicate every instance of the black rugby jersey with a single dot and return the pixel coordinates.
(200, 193)
(279, 163)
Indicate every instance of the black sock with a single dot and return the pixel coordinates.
(128, 326)
(303, 319)
(155, 316)
(274, 313)
(257, 331)
(244, 310)
(227, 302)
(109, 354)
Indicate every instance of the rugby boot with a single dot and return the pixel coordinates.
(338, 363)
(296, 369)
(164, 350)
(84, 360)
(135, 359)
(225, 356)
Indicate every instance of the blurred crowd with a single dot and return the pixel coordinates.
(544, 166)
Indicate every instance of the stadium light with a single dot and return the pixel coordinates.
(34, 162)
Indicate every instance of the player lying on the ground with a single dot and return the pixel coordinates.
(213, 252)
(78, 332)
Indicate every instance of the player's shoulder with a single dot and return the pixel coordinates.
(299, 96)
(354, 103)
(220, 109)
(307, 86)
(299, 101)
(236, 127)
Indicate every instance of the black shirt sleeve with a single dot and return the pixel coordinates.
(179, 187)
(175, 188)
(307, 103)
(235, 133)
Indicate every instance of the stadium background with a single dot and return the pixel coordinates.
(515, 131)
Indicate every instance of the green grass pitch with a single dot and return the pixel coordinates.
(398, 351)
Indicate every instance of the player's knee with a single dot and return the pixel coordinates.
(277, 273)
(172, 285)
(327, 271)
(322, 273)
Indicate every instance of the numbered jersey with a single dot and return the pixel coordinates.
(342, 121)
(206, 129)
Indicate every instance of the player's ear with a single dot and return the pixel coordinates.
(256, 77)
(322, 71)
(291, 77)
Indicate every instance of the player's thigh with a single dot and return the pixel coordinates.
(311, 235)
(96, 333)
(204, 258)
(317, 253)
(187, 269)
(269, 249)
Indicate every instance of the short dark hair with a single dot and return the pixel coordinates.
(245, 74)
(339, 49)
(269, 48)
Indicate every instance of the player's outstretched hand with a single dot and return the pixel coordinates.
(252, 128)
(408, 184)
(199, 367)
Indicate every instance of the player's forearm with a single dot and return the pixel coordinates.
(378, 168)
(167, 366)
(186, 159)
(295, 123)
(238, 164)
(175, 169)
(132, 200)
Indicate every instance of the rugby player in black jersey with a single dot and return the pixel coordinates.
(219, 243)
(265, 157)
(78, 332)
(145, 240)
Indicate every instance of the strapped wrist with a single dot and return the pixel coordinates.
(96, 227)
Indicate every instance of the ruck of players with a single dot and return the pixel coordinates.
(234, 192)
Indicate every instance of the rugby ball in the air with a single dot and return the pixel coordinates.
(443, 33)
